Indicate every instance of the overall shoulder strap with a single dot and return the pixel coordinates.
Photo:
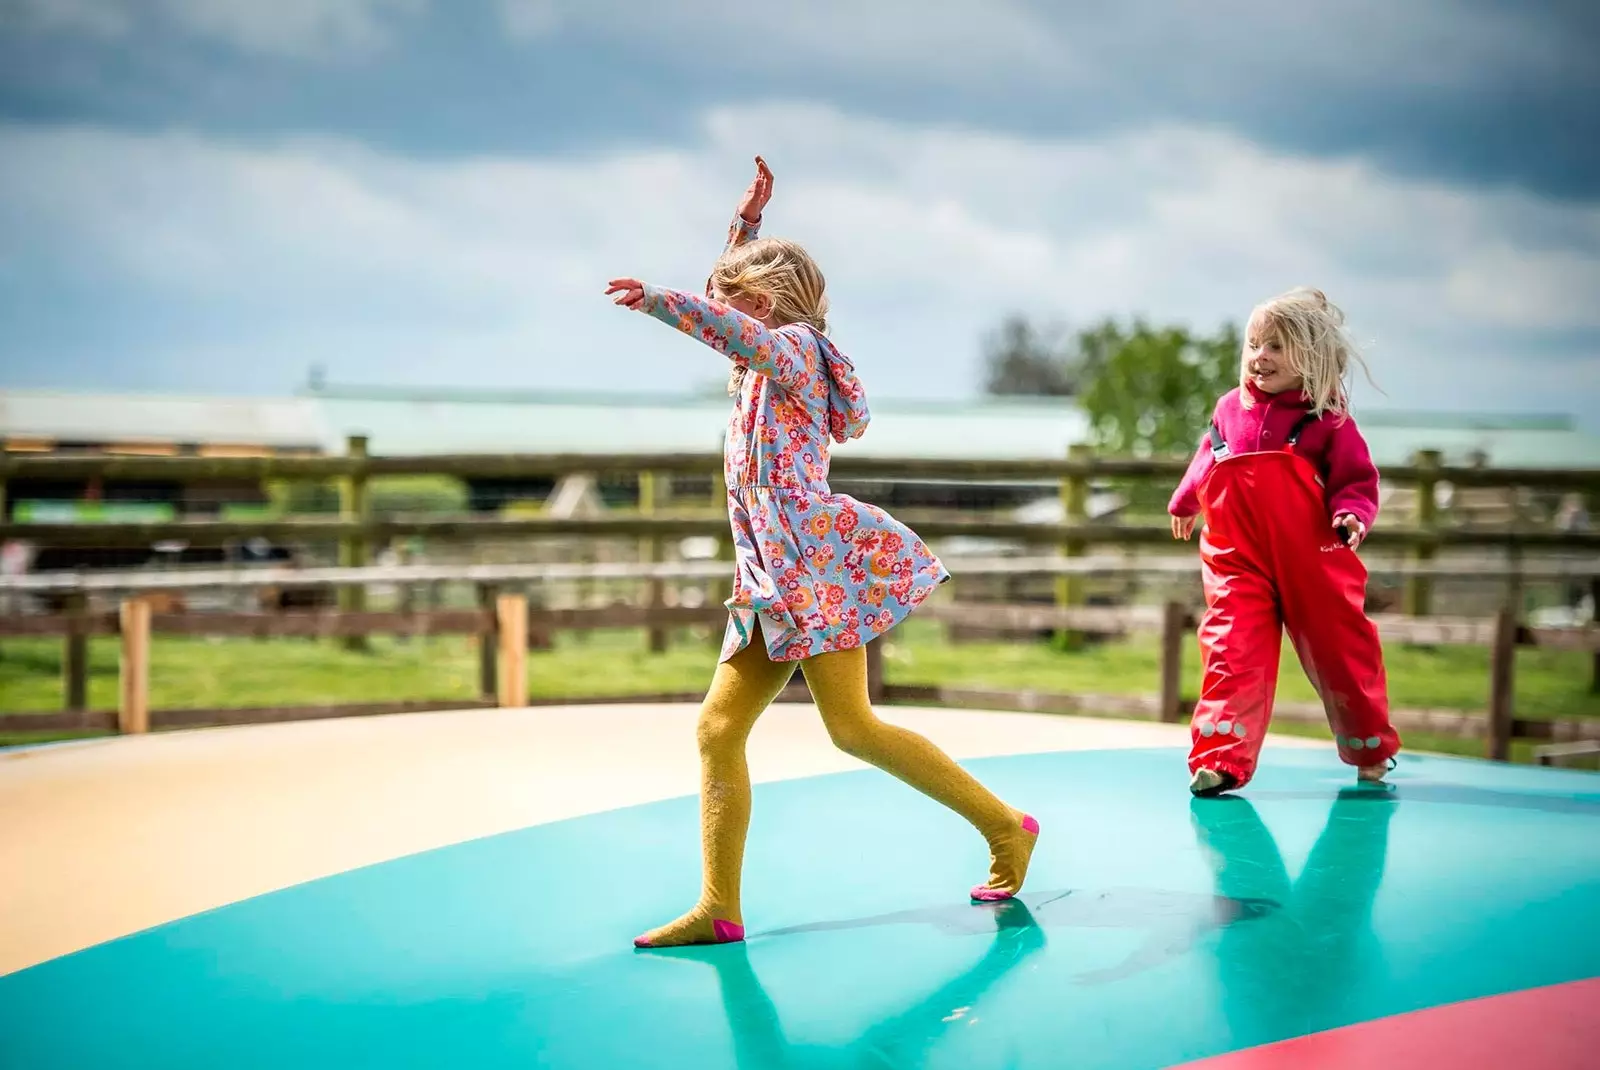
(1300, 426)
(1219, 447)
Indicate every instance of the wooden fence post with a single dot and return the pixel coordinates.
(1074, 511)
(488, 639)
(1594, 615)
(5, 602)
(1516, 590)
(1419, 589)
(511, 612)
(1502, 684)
(354, 551)
(133, 705)
(652, 486)
(717, 589)
(1174, 630)
(75, 655)
(540, 637)
(875, 680)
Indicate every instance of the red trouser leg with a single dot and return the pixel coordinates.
(1241, 638)
(1323, 605)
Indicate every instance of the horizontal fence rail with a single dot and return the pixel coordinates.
(844, 466)
(1523, 527)
(928, 524)
(998, 617)
(1104, 566)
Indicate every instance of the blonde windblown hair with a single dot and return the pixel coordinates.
(778, 269)
(1310, 331)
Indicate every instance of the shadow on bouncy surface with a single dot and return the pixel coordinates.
(1016, 930)
(904, 1039)
(1413, 791)
(1303, 969)
(1172, 921)
(1285, 954)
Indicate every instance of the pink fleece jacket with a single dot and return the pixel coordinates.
(1334, 447)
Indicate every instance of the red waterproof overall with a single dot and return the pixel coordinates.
(1270, 559)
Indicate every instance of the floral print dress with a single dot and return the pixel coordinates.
(820, 571)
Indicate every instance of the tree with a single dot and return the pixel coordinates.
(1152, 389)
(1022, 359)
(1145, 389)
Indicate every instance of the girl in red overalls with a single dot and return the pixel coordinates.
(1287, 489)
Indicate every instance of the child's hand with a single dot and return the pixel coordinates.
(1183, 526)
(630, 293)
(1355, 530)
(759, 193)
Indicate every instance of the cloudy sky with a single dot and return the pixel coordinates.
(214, 195)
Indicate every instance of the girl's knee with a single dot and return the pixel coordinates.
(855, 734)
(717, 730)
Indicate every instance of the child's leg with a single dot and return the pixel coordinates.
(838, 681)
(742, 688)
(1241, 641)
(1342, 654)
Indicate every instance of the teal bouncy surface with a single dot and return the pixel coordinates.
(1155, 930)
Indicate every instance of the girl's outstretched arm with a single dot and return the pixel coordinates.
(786, 357)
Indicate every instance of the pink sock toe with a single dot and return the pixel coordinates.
(985, 894)
(1029, 824)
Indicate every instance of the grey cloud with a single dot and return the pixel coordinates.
(1478, 92)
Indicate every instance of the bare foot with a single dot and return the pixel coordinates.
(698, 926)
(1008, 860)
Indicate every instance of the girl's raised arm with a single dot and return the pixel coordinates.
(746, 223)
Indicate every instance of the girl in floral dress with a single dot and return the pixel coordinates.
(817, 575)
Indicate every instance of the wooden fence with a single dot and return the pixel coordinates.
(506, 624)
(357, 531)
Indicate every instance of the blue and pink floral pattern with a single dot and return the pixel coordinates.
(820, 571)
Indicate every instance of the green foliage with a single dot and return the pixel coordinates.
(387, 496)
(1145, 389)
(1151, 390)
(301, 497)
(392, 495)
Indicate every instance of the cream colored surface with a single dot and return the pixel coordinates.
(102, 839)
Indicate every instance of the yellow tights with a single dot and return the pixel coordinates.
(741, 690)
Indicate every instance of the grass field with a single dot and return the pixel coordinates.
(246, 672)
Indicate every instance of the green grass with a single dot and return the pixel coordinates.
(1549, 683)
(211, 673)
(205, 673)
(190, 673)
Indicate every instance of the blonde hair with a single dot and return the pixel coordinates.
(1310, 331)
(779, 269)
